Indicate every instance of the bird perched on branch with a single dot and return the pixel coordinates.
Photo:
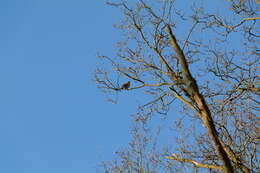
(126, 85)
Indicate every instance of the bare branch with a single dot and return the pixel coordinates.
(201, 165)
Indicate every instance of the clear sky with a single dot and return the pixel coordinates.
(52, 116)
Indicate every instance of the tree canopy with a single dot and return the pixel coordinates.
(200, 58)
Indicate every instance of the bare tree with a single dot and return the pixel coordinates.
(197, 58)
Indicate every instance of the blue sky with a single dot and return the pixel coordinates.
(53, 118)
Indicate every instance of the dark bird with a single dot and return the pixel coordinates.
(126, 85)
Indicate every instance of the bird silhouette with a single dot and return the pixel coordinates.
(126, 85)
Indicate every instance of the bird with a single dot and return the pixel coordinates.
(126, 85)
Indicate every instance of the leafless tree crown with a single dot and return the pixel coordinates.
(202, 57)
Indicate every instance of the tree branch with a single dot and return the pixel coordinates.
(197, 164)
(199, 100)
(252, 18)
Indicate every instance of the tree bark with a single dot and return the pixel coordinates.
(200, 102)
